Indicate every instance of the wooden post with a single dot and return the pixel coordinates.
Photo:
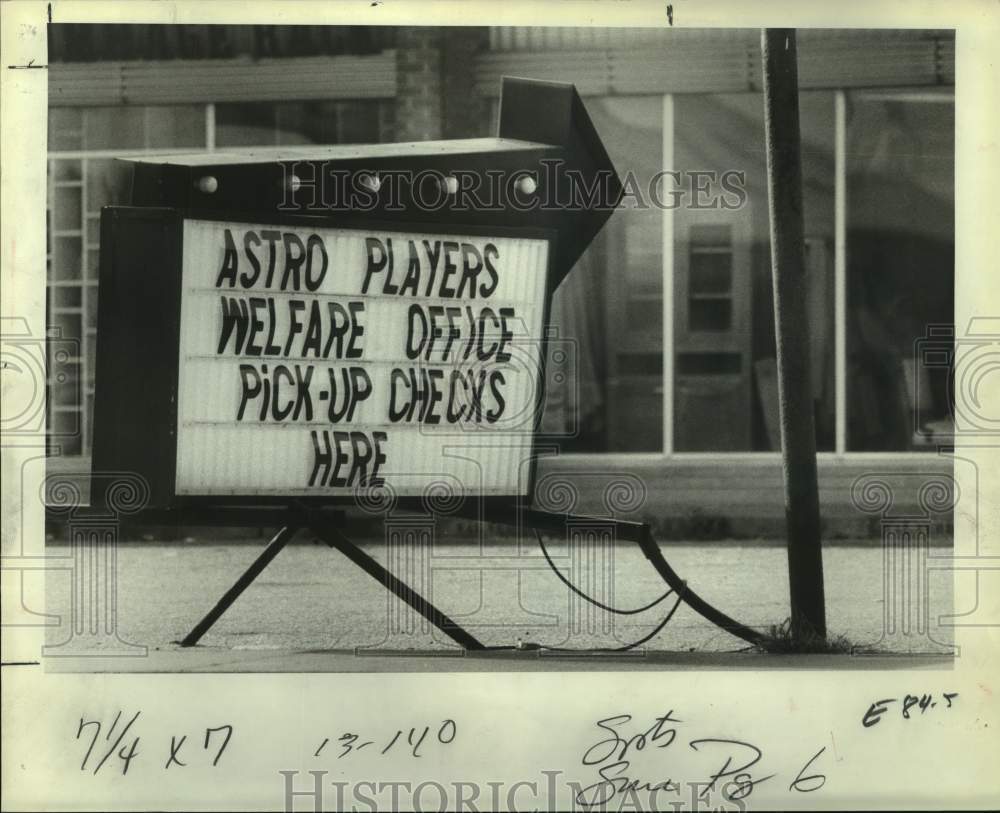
(798, 436)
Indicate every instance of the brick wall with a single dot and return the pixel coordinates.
(466, 112)
(436, 95)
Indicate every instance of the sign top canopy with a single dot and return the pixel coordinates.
(547, 168)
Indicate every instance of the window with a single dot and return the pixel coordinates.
(900, 265)
(710, 287)
(725, 370)
(83, 178)
(896, 209)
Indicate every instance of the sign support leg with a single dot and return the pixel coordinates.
(335, 539)
(273, 548)
(519, 516)
(516, 516)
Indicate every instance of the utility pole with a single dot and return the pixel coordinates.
(798, 435)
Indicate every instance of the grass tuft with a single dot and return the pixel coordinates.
(780, 639)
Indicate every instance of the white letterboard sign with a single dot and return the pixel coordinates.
(317, 361)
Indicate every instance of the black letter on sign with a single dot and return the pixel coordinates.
(413, 348)
(234, 315)
(433, 253)
(490, 253)
(229, 263)
(248, 280)
(270, 235)
(293, 260)
(472, 264)
(374, 265)
(496, 380)
(295, 307)
(323, 458)
(315, 278)
(338, 328)
(412, 278)
(357, 330)
(374, 479)
(251, 387)
(397, 378)
(505, 334)
(361, 388)
(279, 413)
(450, 268)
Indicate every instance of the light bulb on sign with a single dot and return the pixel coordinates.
(527, 185)
(207, 184)
(370, 181)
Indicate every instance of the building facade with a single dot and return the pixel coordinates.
(667, 372)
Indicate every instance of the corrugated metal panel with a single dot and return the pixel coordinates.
(85, 83)
(588, 70)
(684, 71)
(120, 42)
(892, 63)
(719, 61)
(218, 80)
(582, 38)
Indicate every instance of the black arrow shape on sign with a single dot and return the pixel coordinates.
(588, 187)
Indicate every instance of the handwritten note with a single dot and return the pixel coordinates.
(707, 765)
(115, 743)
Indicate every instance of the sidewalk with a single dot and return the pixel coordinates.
(217, 659)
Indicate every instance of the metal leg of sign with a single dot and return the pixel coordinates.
(652, 552)
(333, 537)
(242, 583)
(641, 533)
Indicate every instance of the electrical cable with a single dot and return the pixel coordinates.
(533, 646)
(594, 601)
(656, 630)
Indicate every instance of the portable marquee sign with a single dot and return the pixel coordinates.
(279, 331)
(307, 323)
